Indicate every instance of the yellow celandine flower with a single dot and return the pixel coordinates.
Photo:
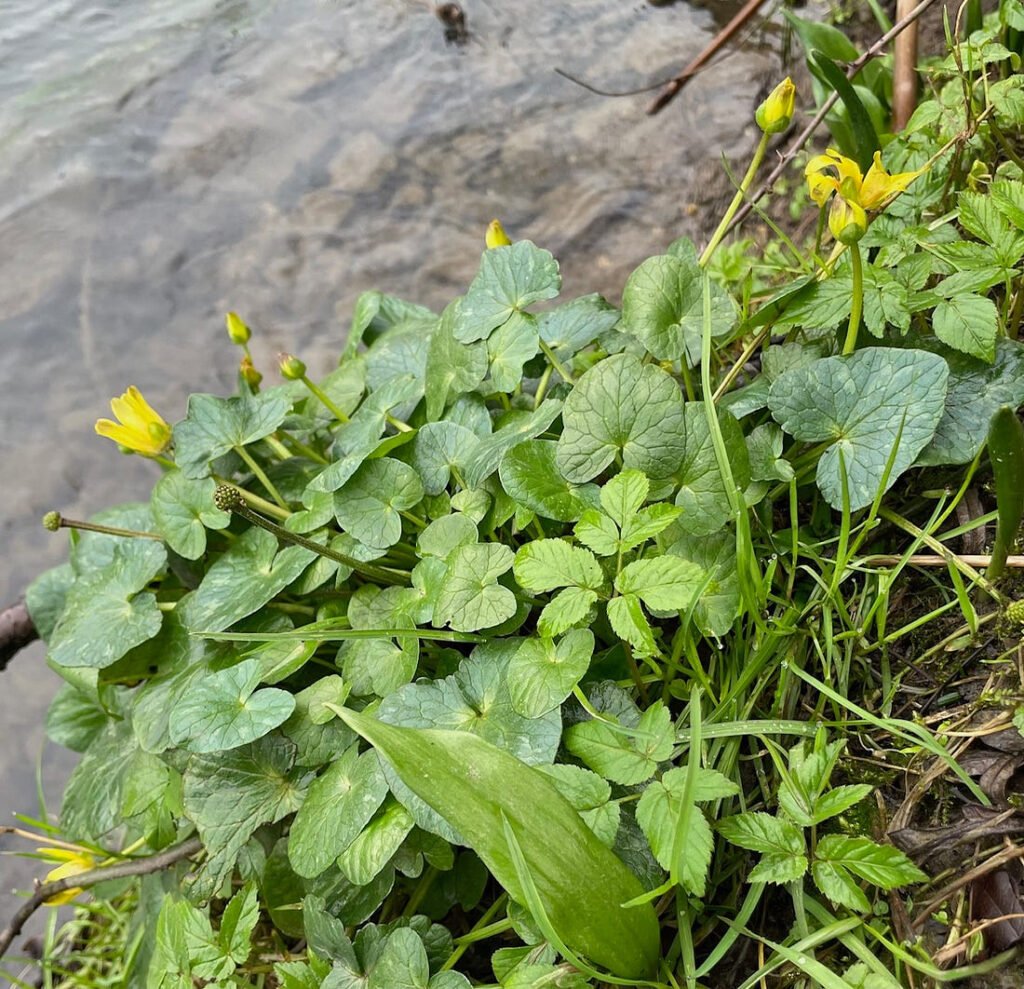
(73, 863)
(775, 113)
(496, 236)
(847, 221)
(138, 428)
(833, 172)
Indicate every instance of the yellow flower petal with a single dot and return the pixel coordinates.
(496, 236)
(140, 427)
(879, 187)
(828, 172)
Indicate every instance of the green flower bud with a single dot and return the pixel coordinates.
(237, 329)
(52, 521)
(1015, 612)
(291, 367)
(847, 221)
(775, 113)
(248, 373)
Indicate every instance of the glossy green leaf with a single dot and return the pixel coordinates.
(546, 564)
(439, 447)
(569, 328)
(224, 710)
(509, 347)
(453, 367)
(581, 884)
(621, 406)
(969, 323)
(863, 404)
(530, 475)
(183, 510)
(626, 756)
(470, 596)
(213, 426)
(542, 673)
(368, 504)
(515, 428)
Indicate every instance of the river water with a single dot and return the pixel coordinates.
(162, 161)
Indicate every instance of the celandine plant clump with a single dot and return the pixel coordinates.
(522, 648)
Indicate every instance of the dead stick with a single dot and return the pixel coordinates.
(804, 136)
(120, 870)
(1001, 858)
(674, 85)
(925, 560)
(904, 70)
(16, 631)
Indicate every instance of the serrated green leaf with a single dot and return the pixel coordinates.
(881, 865)
(183, 510)
(662, 305)
(565, 609)
(546, 564)
(529, 475)
(510, 279)
(237, 923)
(470, 596)
(777, 868)
(598, 533)
(630, 624)
(581, 884)
(367, 506)
(969, 323)
(213, 426)
(542, 674)
(626, 757)
(663, 583)
(622, 406)
(623, 496)
(92, 800)
(224, 710)
(337, 807)
(839, 886)
(763, 833)
(863, 404)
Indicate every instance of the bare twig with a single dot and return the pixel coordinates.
(120, 870)
(722, 38)
(924, 560)
(804, 136)
(16, 631)
(1001, 858)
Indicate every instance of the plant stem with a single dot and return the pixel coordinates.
(556, 363)
(737, 200)
(255, 501)
(108, 530)
(325, 398)
(856, 300)
(263, 479)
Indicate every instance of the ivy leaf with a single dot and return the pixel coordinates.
(515, 429)
(183, 510)
(569, 328)
(564, 610)
(224, 710)
(546, 564)
(105, 615)
(337, 807)
(510, 279)
(620, 755)
(622, 406)
(453, 368)
(542, 674)
(243, 580)
(702, 495)
(477, 698)
(969, 323)
(368, 505)
(213, 426)
(509, 347)
(446, 534)
(976, 390)
(663, 583)
(470, 596)
(230, 794)
(864, 403)
(662, 305)
(438, 447)
(530, 476)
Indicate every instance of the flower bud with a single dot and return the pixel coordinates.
(52, 521)
(775, 113)
(1015, 612)
(847, 221)
(237, 329)
(248, 373)
(496, 236)
(291, 367)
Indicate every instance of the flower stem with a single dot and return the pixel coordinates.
(556, 363)
(54, 521)
(325, 398)
(255, 501)
(741, 192)
(228, 498)
(263, 479)
(856, 301)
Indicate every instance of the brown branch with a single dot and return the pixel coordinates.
(120, 870)
(16, 631)
(926, 560)
(904, 70)
(676, 84)
(1005, 855)
(804, 136)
